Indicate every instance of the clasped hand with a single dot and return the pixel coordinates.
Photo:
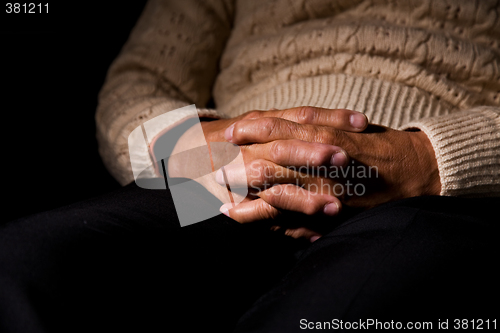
(313, 161)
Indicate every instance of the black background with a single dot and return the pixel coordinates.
(53, 66)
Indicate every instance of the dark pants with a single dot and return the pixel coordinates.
(121, 262)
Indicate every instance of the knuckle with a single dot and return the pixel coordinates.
(260, 171)
(309, 210)
(265, 211)
(252, 114)
(312, 204)
(236, 130)
(268, 125)
(277, 151)
(306, 114)
(271, 196)
(337, 118)
(277, 196)
(320, 155)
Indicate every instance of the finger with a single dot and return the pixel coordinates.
(250, 211)
(282, 197)
(342, 119)
(303, 232)
(262, 130)
(296, 153)
(311, 235)
(296, 199)
(261, 174)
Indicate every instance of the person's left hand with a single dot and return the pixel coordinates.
(386, 164)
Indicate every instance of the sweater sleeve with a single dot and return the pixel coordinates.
(170, 61)
(467, 147)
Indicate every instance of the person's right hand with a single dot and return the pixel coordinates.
(268, 160)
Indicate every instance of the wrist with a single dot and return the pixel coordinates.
(429, 171)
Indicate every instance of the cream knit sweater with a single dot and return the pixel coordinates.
(430, 64)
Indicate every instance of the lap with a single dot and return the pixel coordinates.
(416, 259)
(123, 261)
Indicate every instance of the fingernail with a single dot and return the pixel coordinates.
(358, 120)
(223, 209)
(314, 238)
(339, 159)
(331, 209)
(219, 177)
(228, 133)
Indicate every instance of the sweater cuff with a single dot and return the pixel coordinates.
(141, 140)
(467, 145)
